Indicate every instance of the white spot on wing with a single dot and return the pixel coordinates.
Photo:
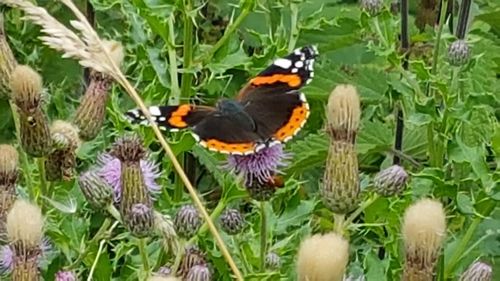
(297, 51)
(283, 63)
(162, 118)
(299, 64)
(294, 70)
(302, 97)
(154, 110)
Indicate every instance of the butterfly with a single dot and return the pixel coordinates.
(269, 110)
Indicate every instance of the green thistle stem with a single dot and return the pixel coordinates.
(457, 255)
(175, 92)
(247, 8)
(294, 31)
(98, 255)
(380, 33)
(435, 56)
(141, 244)
(263, 235)
(360, 209)
(114, 213)
(99, 235)
(338, 220)
(43, 180)
(236, 245)
(213, 216)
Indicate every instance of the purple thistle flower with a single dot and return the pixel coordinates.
(260, 166)
(65, 276)
(7, 255)
(111, 170)
(6, 258)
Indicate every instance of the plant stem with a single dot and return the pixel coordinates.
(43, 180)
(141, 244)
(459, 250)
(463, 19)
(294, 31)
(236, 245)
(175, 92)
(360, 209)
(178, 186)
(114, 212)
(246, 9)
(187, 76)
(398, 139)
(213, 216)
(263, 235)
(99, 234)
(435, 56)
(120, 78)
(339, 222)
(179, 254)
(381, 35)
(98, 255)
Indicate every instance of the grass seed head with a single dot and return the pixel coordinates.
(322, 258)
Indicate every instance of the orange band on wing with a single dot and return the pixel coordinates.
(294, 124)
(292, 80)
(176, 119)
(231, 148)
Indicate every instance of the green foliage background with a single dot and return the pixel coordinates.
(354, 48)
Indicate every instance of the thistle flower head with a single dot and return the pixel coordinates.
(192, 256)
(128, 149)
(232, 222)
(8, 165)
(478, 271)
(95, 189)
(19, 229)
(140, 220)
(6, 259)
(459, 53)
(260, 166)
(199, 272)
(26, 86)
(164, 271)
(65, 276)
(322, 258)
(35, 133)
(343, 113)
(64, 135)
(110, 170)
(165, 226)
(273, 261)
(187, 221)
(391, 181)
(372, 7)
(423, 237)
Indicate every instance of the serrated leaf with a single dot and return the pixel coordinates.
(295, 216)
(308, 153)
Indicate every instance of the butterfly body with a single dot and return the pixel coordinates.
(267, 111)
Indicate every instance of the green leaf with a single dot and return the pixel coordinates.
(465, 204)
(295, 216)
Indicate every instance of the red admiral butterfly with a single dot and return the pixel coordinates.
(267, 111)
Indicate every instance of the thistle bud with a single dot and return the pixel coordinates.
(391, 181)
(322, 258)
(26, 86)
(8, 167)
(95, 189)
(134, 194)
(422, 239)
(340, 189)
(343, 113)
(458, 53)
(199, 273)
(478, 271)
(8, 62)
(187, 221)
(66, 276)
(232, 222)
(372, 7)
(164, 271)
(25, 237)
(273, 261)
(91, 113)
(166, 229)
(62, 160)
(192, 257)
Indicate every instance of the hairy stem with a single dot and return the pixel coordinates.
(263, 235)
(141, 244)
(339, 223)
(43, 180)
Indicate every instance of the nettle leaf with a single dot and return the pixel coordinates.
(308, 153)
(159, 66)
(294, 216)
(374, 136)
(465, 204)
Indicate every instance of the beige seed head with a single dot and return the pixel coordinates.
(8, 159)
(65, 133)
(322, 258)
(343, 113)
(25, 224)
(424, 226)
(26, 85)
